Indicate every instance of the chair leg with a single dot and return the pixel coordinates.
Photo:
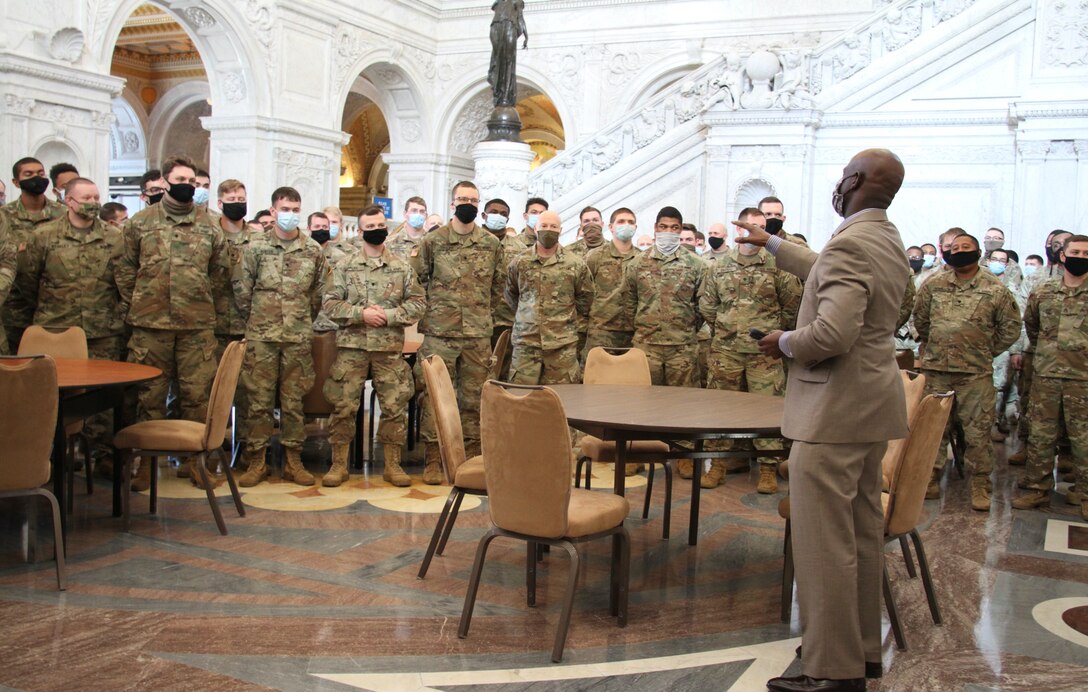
(927, 579)
(668, 501)
(893, 613)
(58, 539)
(624, 581)
(70, 469)
(448, 527)
(370, 432)
(210, 492)
(442, 519)
(530, 573)
(87, 463)
(649, 491)
(234, 489)
(578, 467)
(568, 603)
(474, 583)
(126, 474)
(787, 574)
(153, 503)
(904, 545)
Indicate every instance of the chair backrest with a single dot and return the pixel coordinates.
(447, 418)
(913, 385)
(323, 350)
(905, 359)
(70, 342)
(28, 386)
(498, 356)
(908, 487)
(526, 447)
(222, 395)
(616, 366)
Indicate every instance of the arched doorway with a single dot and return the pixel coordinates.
(541, 124)
(363, 173)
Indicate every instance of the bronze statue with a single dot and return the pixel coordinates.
(506, 26)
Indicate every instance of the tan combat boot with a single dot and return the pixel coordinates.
(632, 469)
(256, 470)
(715, 476)
(768, 480)
(1032, 499)
(737, 465)
(193, 472)
(294, 471)
(1074, 497)
(393, 473)
(432, 472)
(686, 468)
(339, 471)
(996, 435)
(933, 490)
(1019, 457)
(980, 496)
(142, 480)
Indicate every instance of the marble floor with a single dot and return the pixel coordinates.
(317, 589)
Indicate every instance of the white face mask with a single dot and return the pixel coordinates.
(667, 243)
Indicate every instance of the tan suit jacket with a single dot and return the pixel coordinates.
(844, 385)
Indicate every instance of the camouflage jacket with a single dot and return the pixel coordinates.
(744, 292)
(1056, 319)
(232, 323)
(21, 224)
(8, 264)
(69, 277)
(610, 311)
(512, 248)
(548, 296)
(386, 281)
(464, 278)
(664, 292)
(403, 247)
(580, 249)
(279, 288)
(963, 326)
(175, 270)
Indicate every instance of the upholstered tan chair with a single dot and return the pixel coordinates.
(623, 366)
(183, 438)
(29, 385)
(526, 445)
(71, 343)
(466, 476)
(500, 357)
(913, 385)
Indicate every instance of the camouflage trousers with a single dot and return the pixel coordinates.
(1002, 372)
(185, 356)
(605, 339)
(704, 362)
(746, 372)
(530, 364)
(974, 410)
(1055, 400)
(99, 427)
(1023, 384)
(272, 368)
(468, 359)
(675, 365)
(392, 380)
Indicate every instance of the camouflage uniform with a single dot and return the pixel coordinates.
(8, 264)
(962, 326)
(334, 254)
(550, 296)
(1056, 319)
(611, 320)
(663, 292)
(503, 314)
(16, 313)
(464, 278)
(231, 326)
(279, 289)
(403, 247)
(1027, 368)
(390, 283)
(174, 280)
(791, 238)
(68, 281)
(740, 293)
(579, 248)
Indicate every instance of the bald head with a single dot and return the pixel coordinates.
(549, 221)
(869, 181)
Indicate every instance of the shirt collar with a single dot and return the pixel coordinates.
(853, 217)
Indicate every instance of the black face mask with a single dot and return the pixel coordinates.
(235, 211)
(916, 264)
(182, 193)
(466, 213)
(34, 186)
(155, 198)
(946, 256)
(321, 237)
(774, 226)
(964, 259)
(375, 236)
(715, 242)
(1077, 266)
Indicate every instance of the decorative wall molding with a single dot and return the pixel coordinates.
(1066, 39)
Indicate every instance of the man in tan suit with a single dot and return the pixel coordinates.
(844, 401)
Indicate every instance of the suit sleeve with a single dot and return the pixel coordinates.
(796, 259)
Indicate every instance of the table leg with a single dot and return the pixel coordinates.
(118, 424)
(60, 473)
(620, 477)
(696, 476)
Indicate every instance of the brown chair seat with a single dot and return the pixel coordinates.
(605, 450)
(592, 512)
(470, 475)
(180, 435)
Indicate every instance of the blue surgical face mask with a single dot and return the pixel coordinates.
(532, 221)
(287, 220)
(997, 268)
(1028, 269)
(334, 231)
(416, 220)
(624, 232)
(200, 196)
(496, 222)
(928, 261)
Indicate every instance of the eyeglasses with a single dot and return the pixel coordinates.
(466, 200)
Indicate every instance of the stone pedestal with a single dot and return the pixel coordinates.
(502, 170)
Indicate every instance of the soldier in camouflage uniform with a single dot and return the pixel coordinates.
(999, 264)
(68, 281)
(318, 228)
(373, 297)
(743, 291)
(611, 320)
(774, 211)
(461, 269)
(279, 288)
(496, 217)
(964, 318)
(232, 205)
(1056, 319)
(23, 216)
(174, 281)
(550, 292)
(591, 230)
(8, 264)
(534, 207)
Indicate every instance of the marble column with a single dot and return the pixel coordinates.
(502, 170)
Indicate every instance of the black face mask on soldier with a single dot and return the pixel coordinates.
(964, 259)
(34, 186)
(715, 242)
(466, 213)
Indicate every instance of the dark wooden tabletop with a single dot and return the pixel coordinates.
(78, 374)
(676, 410)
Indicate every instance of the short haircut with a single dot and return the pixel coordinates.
(669, 213)
(59, 168)
(288, 193)
(70, 185)
(699, 235)
(925, 245)
(177, 161)
(261, 214)
(689, 227)
(588, 209)
(373, 210)
(770, 199)
(1074, 239)
(914, 247)
(621, 210)
(1013, 255)
(1037, 258)
(22, 162)
(747, 212)
(798, 235)
(317, 215)
(1001, 250)
(110, 210)
(967, 235)
(536, 200)
(995, 228)
(333, 211)
(415, 200)
(153, 174)
(230, 185)
(497, 200)
(201, 173)
(953, 232)
(463, 183)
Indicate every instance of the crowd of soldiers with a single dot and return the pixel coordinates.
(172, 285)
